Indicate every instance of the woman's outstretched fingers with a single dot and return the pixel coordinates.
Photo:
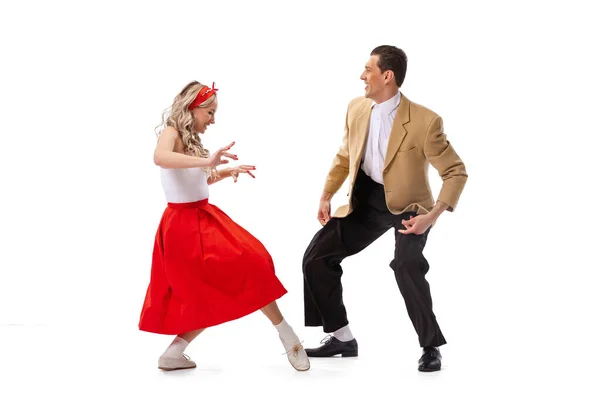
(227, 147)
(229, 155)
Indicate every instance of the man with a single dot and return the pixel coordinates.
(388, 145)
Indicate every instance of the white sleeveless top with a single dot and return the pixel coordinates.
(184, 185)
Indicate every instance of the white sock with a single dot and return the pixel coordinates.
(176, 348)
(343, 334)
(287, 333)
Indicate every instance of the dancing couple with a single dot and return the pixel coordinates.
(207, 270)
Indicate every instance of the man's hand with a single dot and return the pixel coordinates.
(324, 214)
(419, 224)
(416, 225)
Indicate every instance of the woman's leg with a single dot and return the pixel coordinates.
(272, 312)
(189, 336)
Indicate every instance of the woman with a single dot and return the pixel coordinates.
(206, 269)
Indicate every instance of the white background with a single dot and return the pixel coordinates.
(514, 270)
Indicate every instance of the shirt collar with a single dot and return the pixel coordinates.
(388, 106)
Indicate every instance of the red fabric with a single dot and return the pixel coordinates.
(203, 95)
(206, 270)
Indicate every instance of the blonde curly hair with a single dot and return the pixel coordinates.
(179, 117)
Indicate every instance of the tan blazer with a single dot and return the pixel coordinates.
(417, 139)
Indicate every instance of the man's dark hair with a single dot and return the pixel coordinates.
(391, 58)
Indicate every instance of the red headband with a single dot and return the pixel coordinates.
(203, 95)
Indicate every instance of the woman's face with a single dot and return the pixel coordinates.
(204, 116)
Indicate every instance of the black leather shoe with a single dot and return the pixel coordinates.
(431, 360)
(332, 347)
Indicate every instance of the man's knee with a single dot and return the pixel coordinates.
(307, 262)
(315, 248)
(310, 256)
(409, 264)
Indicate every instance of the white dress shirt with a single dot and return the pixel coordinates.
(380, 127)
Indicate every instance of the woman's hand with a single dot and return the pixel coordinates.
(242, 169)
(216, 159)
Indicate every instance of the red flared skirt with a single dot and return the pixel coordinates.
(206, 270)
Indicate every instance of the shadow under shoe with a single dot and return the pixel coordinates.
(332, 347)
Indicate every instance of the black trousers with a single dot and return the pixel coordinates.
(343, 237)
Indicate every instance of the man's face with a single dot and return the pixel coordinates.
(374, 79)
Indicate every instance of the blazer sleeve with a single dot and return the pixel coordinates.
(443, 158)
(340, 167)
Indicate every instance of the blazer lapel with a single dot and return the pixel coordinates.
(361, 126)
(398, 132)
